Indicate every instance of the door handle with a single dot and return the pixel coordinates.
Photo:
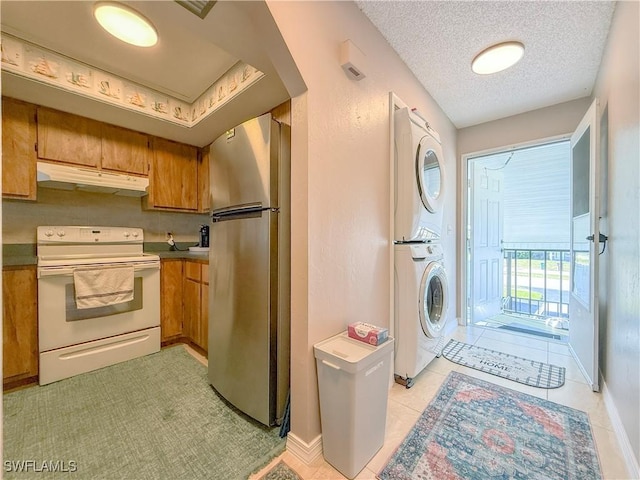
(601, 239)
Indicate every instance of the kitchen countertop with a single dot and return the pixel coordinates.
(162, 250)
(21, 254)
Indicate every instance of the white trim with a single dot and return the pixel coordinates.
(395, 103)
(630, 460)
(306, 452)
(76, 77)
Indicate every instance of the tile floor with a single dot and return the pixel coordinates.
(405, 405)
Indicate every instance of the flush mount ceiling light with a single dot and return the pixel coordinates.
(125, 23)
(497, 58)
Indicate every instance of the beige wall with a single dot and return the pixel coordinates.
(546, 122)
(618, 89)
(59, 207)
(341, 245)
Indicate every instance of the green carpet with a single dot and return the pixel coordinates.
(153, 417)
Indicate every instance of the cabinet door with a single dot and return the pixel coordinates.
(204, 308)
(124, 150)
(19, 323)
(174, 176)
(64, 137)
(204, 197)
(171, 292)
(192, 311)
(18, 149)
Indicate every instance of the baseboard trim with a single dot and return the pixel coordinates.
(306, 452)
(618, 428)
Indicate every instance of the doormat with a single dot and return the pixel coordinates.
(149, 418)
(521, 370)
(281, 471)
(516, 327)
(475, 429)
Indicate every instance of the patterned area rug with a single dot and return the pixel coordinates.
(281, 471)
(477, 430)
(154, 417)
(521, 370)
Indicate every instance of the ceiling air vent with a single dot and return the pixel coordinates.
(200, 9)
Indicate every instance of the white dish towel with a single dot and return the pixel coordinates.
(103, 286)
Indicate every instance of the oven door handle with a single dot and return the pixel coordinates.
(67, 271)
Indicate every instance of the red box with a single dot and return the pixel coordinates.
(368, 333)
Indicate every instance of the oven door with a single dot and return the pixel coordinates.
(61, 324)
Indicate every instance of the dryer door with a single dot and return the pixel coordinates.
(430, 173)
(433, 300)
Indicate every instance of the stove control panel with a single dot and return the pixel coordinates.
(89, 235)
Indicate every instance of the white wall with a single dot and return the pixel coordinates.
(341, 230)
(617, 88)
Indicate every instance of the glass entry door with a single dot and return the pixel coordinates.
(585, 245)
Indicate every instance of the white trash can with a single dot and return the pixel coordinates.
(353, 382)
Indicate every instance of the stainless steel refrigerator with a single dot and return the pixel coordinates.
(249, 302)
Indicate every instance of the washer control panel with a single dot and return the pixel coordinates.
(431, 251)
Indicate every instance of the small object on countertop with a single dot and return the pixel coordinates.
(368, 333)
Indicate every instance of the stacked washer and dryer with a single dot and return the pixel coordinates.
(420, 283)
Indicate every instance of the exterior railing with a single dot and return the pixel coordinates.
(536, 282)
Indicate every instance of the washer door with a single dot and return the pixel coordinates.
(433, 300)
(429, 173)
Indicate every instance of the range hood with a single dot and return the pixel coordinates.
(65, 177)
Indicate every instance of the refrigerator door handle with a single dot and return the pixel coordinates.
(248, 209)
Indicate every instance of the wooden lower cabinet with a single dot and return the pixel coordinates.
(204, 306)
(192, 310)
(19, 323)
(171, 293)
(196, 298)
(184, 306)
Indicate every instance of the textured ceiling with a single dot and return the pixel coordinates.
(564, 42)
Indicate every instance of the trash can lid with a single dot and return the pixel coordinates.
(347, 352)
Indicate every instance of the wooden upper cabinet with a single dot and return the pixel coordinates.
(18, 149)
(204, 197)
(174, 176)
(124, 150)
(68, 138)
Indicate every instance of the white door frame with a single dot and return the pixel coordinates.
(463, 211)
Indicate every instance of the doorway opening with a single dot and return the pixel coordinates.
(518, 240)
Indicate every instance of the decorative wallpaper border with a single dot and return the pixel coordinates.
(46, 66)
